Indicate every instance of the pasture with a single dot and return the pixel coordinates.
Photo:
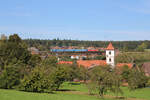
(73, 92)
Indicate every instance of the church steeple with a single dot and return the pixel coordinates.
(110, 55)
(110, 47)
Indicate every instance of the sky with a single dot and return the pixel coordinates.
(76, 19)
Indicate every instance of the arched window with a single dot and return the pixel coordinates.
(109, 59)
(109, 52)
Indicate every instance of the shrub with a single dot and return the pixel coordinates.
(40, 80)
(10, 77)
(137, 79)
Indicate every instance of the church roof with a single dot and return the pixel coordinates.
(65, 62)
(110, 47)
(91, 63)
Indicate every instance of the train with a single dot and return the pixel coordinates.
(73, 50)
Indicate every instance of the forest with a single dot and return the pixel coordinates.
(45, 45)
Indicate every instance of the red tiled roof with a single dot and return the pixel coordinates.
(91, 63)
(110, 47)
(65, 62)
(120, 65)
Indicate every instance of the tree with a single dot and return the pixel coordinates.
(44, 79)
(15, 38)
(49, 61)
(83, 73)
(13, 51)
(104, 79)
(142, 47)
(137, 79)
(125, 71)
(124, 58)
(34, 60)
(36, 81)
(10, 77)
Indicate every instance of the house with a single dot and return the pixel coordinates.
(146, 68)
(34, 50)
(65, 62)
(91, 63)
(110, 60)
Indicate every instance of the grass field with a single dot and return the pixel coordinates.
(71, 92)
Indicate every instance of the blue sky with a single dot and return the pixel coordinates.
(76, 19)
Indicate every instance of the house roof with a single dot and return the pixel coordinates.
(110, 47)
(91, 63)
(146, 68)
(120, 65)
(65, 62)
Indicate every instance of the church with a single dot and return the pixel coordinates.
(110, 60)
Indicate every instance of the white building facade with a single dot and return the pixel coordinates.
(110, 55)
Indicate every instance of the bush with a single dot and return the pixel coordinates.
(37, 81)
(10, 77)
(40, 80)
(137, 79)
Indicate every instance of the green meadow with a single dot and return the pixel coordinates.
(73, 92)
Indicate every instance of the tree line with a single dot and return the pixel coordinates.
(121, 45)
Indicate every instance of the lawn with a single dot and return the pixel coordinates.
(71, 92)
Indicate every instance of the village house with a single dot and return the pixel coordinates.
(110, 60)
(34, 51)
(146, 68)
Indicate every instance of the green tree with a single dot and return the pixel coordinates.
(83, 73)
(125, 71)
(142, 47)
(34, 60)
(50, 61)
(104, 79)
(10, 77)
(137, 79)
(36, 81)
(13, 51)
(15, 38)
(44, 79)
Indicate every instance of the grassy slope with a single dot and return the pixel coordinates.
(17, 95)
(79, 92)
(139, 93)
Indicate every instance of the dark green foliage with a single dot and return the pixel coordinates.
(34, 60)
(44, 79)
(137, 58)
(125, 71)
(72, 71)
(58, 76)
(83, 73)
(141, 48)
(13, 51)
(10, 77)
(49, 61)
(36, 81)
(14, 38)
(124, 58)
(137, 79)
(105, 79)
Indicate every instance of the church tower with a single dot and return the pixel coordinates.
(110, 55)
